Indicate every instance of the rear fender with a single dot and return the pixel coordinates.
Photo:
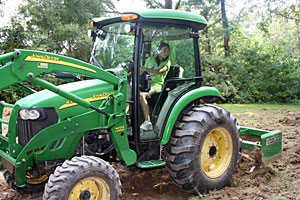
(179, 104)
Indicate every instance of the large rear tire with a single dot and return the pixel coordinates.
(85, 177)
(203, 149)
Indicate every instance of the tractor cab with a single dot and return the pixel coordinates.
(122, 45)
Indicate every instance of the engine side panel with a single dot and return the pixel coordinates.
(94, 91)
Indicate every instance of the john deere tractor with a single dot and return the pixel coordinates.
(62, 138)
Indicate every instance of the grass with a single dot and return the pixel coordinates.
(244, 108)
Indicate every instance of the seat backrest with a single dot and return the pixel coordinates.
(174, 72)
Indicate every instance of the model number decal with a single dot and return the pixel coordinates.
(95, 97)
(55, 60)
(272, 140)
(43, 65)
(120, 128)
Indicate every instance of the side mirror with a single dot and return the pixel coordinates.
(92, 34)
(101, 35)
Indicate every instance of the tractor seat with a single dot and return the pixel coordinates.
(157, 99)
(174, 72)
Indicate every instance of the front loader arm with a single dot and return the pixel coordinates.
(18, 64)
(26, 65)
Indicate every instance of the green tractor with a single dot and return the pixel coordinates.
(61, 139)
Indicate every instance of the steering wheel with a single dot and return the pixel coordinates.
(128, 66)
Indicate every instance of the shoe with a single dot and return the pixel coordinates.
(147, 126)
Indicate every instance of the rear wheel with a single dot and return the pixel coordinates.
(84, 178)
(203, 149)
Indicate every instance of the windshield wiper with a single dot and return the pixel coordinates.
(94, 59)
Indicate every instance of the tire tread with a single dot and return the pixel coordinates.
(62, 173)
(182, 151)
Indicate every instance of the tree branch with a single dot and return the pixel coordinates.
(178, 5)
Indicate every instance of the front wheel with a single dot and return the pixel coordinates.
(203, 149)
(85, 177)
(33, 185)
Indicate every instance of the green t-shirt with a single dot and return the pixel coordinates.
(157, 79)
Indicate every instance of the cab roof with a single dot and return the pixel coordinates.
(164, 16)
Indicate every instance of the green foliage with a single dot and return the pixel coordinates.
(254, 76)
(258, 108)
(154, 4)
(12, 37)
(264, 58)
(61, 26)
(219, 72)
(114, 49)
(264, 43)
(53, 26)
(183, 55)
(273, 76)
(11, 94)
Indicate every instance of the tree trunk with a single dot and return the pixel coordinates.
(208, 46)
(177, 5)
(298, 38)
(225, 28)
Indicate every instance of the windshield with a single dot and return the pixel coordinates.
(114, 46)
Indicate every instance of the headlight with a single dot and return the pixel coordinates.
(32, 114)
(24, 114)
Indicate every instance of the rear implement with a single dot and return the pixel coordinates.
(269, 142)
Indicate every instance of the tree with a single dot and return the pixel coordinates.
(288, 11)
(210, 10)
(225, 27)
(286, 14)
(1, 5)
(13, 36)
(155, 4)
(60, 26)
(168, 4)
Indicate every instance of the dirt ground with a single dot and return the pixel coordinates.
(279, 180)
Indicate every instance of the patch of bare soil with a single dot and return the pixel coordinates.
(6, 115)
(148, 184)
(251, 181)
(9, 194)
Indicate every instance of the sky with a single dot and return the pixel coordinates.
(130, 5)
(11, 6)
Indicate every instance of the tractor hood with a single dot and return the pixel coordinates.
(93, 91)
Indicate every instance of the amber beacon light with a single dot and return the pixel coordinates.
(127, 17)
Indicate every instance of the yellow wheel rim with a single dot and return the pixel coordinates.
(90, 188)
(35, 181)
(216, 152)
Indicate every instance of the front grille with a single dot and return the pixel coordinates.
(29, 128)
